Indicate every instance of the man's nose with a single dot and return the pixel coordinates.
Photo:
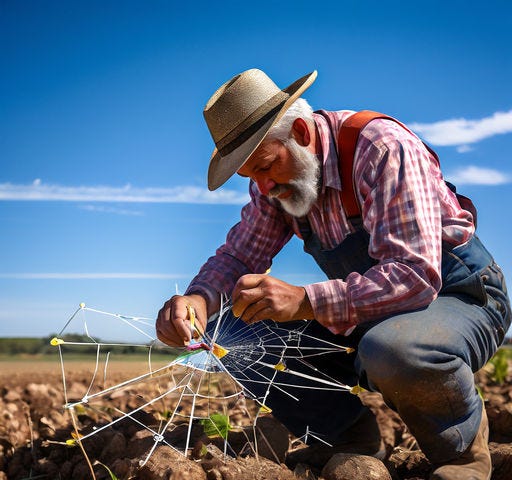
(265, 185)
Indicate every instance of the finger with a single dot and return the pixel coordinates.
(257, 312)
(181, 321)
(169, 337)
(246, 282)
(165, 330)
(245, 299)
(246, 291)
(173, 327)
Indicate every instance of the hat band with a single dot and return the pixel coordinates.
(251, 124)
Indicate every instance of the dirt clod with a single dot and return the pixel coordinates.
(346, 466)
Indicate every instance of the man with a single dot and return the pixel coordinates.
(410, 285)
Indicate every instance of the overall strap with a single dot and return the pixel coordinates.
(345, 140)
(348, 135)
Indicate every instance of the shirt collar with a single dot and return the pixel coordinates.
(329, 156)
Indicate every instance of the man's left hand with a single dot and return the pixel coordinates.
(261, 297)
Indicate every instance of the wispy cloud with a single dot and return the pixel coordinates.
(39, 191)
(113, 210)
(94, 276)
(463, 132)
(472, 175)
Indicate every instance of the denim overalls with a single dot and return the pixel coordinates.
(422, 362)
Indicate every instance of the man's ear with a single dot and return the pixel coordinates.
(300, 132)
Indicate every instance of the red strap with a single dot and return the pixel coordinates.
(348, 136)
(347, 142)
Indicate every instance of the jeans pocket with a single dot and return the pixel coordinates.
(471, 286)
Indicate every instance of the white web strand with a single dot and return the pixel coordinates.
(231, 361)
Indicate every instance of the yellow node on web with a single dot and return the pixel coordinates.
(71, 442)
(56, 341)
(350, 350)
(265, 409)
(219, 351)
(191, 313)
(82, 305)
(357, 389)
(280, 366)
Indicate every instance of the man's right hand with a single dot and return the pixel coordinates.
(173, 325)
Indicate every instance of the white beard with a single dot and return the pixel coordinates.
(304, 187)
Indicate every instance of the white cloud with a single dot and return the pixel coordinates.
(114, 210)
(39, 191)
(463, 132)
(473, 175)
(464, 149)
(93, 276)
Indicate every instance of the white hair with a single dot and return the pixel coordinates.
(282, 129)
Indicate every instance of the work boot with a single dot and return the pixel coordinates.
(474, 463)
(362, 438)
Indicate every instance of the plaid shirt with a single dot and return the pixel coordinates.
(406, 207)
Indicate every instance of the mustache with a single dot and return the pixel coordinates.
(278, 189)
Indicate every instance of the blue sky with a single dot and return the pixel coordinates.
(104, 151)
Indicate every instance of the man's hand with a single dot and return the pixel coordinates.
(173, 325)
(260, 297)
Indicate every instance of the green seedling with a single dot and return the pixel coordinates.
(110, 472)
(216, 425)
(500, 366)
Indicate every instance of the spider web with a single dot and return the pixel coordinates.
(217, 385)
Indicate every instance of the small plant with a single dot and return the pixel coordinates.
(500, 366)
(165, 415)
(110, 472)
(216, 425)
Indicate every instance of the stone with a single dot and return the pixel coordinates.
(346, 466)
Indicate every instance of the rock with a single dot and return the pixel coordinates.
(409, 463)
(501, 456)
(66, 470)
(251, 468)
(123, 468)
(272, 438)
(500, 423)
(81, 471)
(345, 466)
(304, 472)
(115, 448)
(213, 474)
(12, 396)
(211, 458)
(37, 390)
(166, 463)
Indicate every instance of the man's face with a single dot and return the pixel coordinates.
(287, 172)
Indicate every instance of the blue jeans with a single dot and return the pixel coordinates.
(422, 362)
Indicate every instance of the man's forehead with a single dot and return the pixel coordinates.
(265, 149)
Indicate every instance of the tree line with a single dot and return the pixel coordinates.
(42, 346)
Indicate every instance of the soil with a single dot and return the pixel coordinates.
(34, 428)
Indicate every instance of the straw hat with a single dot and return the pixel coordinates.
(239, 115)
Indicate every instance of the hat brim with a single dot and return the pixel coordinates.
(222, 167)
